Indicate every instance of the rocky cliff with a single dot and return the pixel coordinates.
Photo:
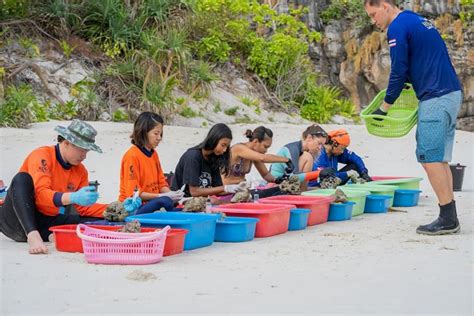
(356, 57)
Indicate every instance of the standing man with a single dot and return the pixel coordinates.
(419, 56)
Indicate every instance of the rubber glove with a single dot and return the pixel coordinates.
(85, 196)
(132, 204)
(174, 195)
(289, 166)
(232, 188)
(352, 173)
(327, 172)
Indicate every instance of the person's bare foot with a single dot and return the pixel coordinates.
(51, 238)
(36, 243)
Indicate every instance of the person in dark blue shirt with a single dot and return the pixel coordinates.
(334, 152)
(419, 56)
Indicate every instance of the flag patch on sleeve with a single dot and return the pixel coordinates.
(392, 42)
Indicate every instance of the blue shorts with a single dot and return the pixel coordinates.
(436, 126)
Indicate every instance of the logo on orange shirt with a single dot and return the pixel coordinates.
(131, 173)
(43, 166)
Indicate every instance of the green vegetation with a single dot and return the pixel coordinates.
(217, 107)
(323, 102)
(21, 108)
(156, 46)
(188, 112)
(231, 111)
(120, 115)
(349, 9)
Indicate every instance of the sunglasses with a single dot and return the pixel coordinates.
(319, 134)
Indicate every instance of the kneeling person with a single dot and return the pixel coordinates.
(52, 189)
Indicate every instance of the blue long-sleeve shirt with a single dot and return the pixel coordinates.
(418, 56)
(347, 157)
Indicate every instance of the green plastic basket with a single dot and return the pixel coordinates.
(400, 119)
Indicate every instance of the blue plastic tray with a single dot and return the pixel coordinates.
(235, 229)
(340, 211)
(298, 218)
(377, 203)
(406, 198)
(201, 227)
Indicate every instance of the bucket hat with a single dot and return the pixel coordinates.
(80, 134)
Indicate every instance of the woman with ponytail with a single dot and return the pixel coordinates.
(253, 152)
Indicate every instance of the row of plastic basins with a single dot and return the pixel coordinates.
(273, 219)
(373, 188)
(201, 227)
(67, 240)
(358, 197)
(319, 205)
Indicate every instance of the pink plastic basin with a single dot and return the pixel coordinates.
(319, 205)
(273, 218)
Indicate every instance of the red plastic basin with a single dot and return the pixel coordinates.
(273, 218)
(66, 239)
(319, 205)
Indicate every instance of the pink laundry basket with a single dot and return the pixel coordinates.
(108, 247)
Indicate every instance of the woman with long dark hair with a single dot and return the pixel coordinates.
(199, 169)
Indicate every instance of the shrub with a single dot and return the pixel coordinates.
(120, 115)
(231, 111)
(13, 8)
(323, 102)
(21, 108)
(187, 112)
(349, 9)
(270, 58)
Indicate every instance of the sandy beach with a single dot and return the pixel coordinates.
(372, 264)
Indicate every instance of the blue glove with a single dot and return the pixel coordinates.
(131, 205)
(85, 196)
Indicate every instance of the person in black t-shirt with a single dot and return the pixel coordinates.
(199, 169)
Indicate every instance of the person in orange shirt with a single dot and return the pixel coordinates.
(52, 189)
(141, 169)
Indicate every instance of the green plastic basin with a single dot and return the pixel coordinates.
(356, 196)
(374, 189)
(405, 183)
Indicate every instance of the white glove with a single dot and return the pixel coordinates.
(174, 195)
(232, 188)
(352, 174)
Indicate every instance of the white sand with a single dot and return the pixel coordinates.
(372, 264)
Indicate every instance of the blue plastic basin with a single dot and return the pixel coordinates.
(235, 229)
(406, 197)
(377, 203)
(340, 211)
(298, 218)
(201, 227)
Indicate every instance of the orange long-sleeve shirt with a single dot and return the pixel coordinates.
(51, 179)
(140, 169)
